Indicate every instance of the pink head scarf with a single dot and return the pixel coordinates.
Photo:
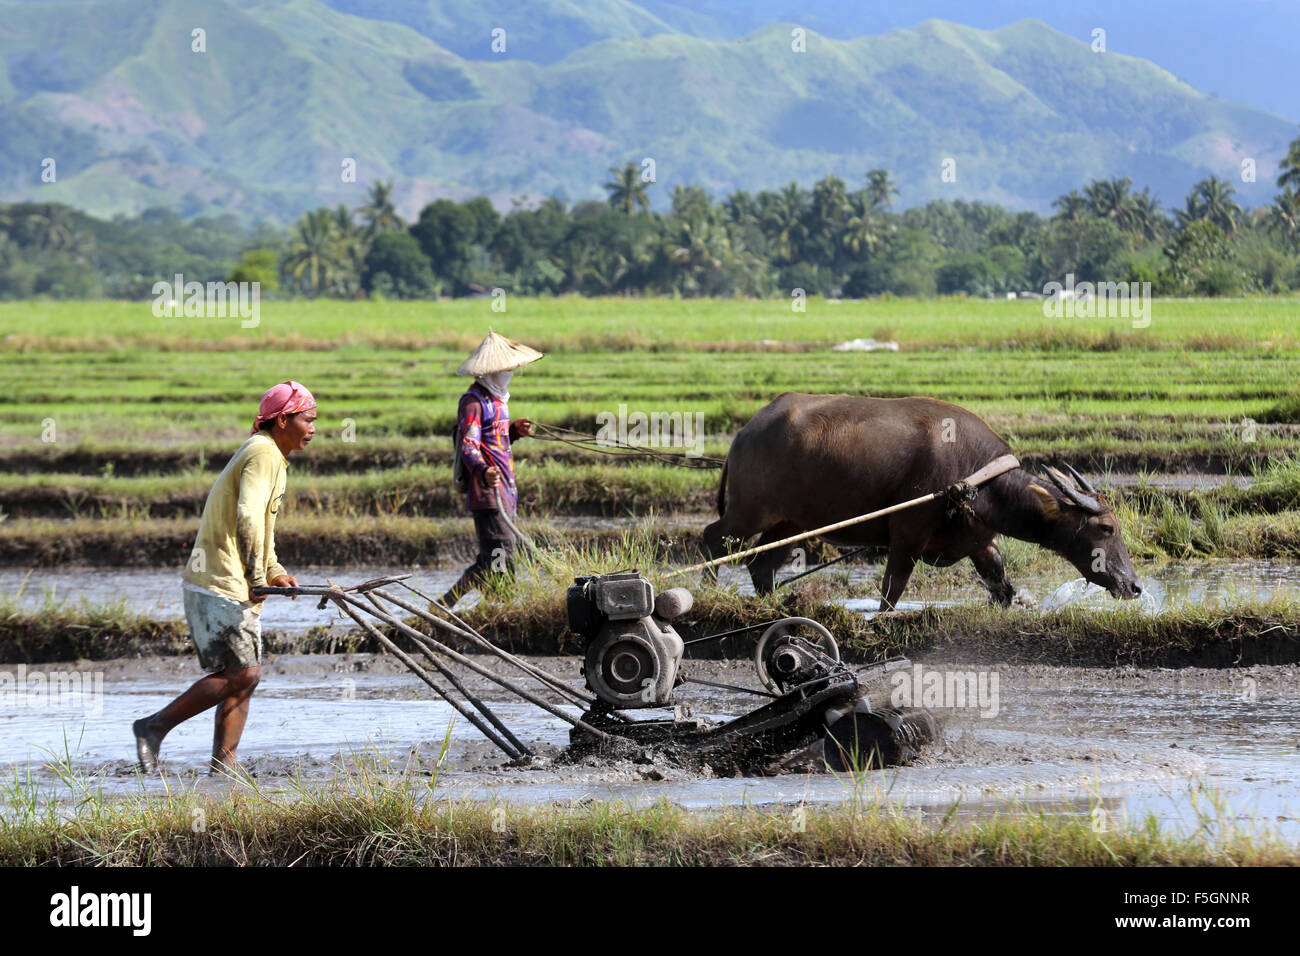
(287, 398)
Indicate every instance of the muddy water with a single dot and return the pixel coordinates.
(156, 593)
(1172, 743)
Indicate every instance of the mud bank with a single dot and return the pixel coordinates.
(313, 540)
(1198, 465)
(1190, 637)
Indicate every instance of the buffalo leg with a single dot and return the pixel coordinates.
(715, 545)
(898, 570)
(763, 567)
(989, 566)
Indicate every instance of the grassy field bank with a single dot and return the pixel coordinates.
(374, 818)
(568, 484)
(1157, 526)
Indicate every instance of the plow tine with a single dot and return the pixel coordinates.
(550, 680)
(420, 672)
(477, 668)
(465, 692)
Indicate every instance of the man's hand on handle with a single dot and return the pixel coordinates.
(524, 426)
(279, 581)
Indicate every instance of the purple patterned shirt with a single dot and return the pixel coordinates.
(485, 438)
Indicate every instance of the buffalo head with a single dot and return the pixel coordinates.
(1083, 530)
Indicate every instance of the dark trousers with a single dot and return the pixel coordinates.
(496, 552)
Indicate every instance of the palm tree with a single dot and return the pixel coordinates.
(343, 223)
(379, 214)
(607, 268)
(692, 202)
(698, 248)
(783, 220)
(351, 244)
(1148, 223)
(880, 188)
(1211, 200)
(830, 200)
(312, 259)
(1111, 199)
(576, 259)
(1193, 210)
(1220, 207)
(1290, 165)
(1285, 215)
(860, 230)
(1071, 206)
(626, 190)
(741, 208)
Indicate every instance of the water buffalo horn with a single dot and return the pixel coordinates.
(1083, 501)
(1084, 483)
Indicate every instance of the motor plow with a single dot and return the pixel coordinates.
(634, 661)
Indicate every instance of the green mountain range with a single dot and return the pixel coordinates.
(263, 120)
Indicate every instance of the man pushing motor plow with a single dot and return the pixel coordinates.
(484, 434)
(234, 553)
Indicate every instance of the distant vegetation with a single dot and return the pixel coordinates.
(262, 122)
(832, 240)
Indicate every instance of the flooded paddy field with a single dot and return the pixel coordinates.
(1181, 744)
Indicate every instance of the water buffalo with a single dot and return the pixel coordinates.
(805, 461)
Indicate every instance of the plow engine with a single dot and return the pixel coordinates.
(632, 658)
(632, 654)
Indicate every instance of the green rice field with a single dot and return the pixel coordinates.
(112, 418)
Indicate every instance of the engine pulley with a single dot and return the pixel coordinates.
(793, 651)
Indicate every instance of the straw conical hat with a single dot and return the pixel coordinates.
(496, 353)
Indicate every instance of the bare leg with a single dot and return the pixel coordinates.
(204, 693)
(989, 566)
(232, 713)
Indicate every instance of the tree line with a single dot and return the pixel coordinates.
(836, 238)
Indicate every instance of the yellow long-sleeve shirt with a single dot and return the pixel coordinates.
(235, 547)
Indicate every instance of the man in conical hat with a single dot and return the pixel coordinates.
(485, 434)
